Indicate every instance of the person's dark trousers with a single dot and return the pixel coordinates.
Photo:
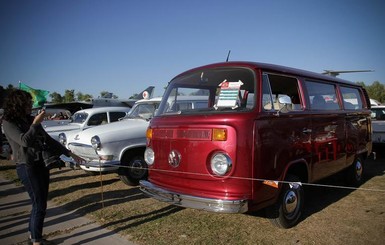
(36, 181)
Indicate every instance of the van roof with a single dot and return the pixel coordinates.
(270, 67)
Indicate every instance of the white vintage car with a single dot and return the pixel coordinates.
(378, 124)
(87, 118)
(120, 146)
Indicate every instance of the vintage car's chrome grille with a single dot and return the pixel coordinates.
(85, 151)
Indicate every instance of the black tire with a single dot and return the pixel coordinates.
(355, 172)
(287, 211)
(133, 169)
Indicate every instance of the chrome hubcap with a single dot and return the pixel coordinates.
(358, 169)
(291, 201)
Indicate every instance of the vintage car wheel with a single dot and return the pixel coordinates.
(286, 212)
(133, 169)
(354, 172)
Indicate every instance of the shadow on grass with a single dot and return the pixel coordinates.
(7, 167)
(143, 218)
(81, 186)
(318, 198)
(134, 220)
(96, 201)
(65, 178)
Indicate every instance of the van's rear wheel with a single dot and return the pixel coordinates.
(288, 209)
(133, 169)
(355, 172)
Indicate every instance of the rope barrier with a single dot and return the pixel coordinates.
(101, 183)
(245, 178)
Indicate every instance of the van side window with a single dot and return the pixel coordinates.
(322, 96)
(277, 86)
(352, 98)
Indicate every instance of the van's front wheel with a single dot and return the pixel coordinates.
(288, 209)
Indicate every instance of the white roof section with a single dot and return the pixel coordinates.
(104, 109)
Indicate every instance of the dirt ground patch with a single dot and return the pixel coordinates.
(332, 215)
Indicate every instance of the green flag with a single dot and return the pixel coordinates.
(38, 95)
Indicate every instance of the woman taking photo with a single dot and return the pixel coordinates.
(28, 139)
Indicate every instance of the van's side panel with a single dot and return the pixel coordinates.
(357, 135)
(280, 141)
(328, 143)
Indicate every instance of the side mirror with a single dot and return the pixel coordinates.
(285, 100)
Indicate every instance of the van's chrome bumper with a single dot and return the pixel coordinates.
(187, 201)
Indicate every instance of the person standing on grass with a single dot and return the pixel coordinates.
(25, 135)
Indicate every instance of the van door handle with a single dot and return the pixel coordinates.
(306, 131)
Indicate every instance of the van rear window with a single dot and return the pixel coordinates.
(352, 98)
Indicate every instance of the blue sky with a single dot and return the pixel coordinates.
(123, 46)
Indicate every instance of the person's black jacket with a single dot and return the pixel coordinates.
(28, 141)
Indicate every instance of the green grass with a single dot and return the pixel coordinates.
(332, 217)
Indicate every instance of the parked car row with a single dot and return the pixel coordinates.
(114, 146)
(378, 124)
(87, 118)
(120, 146)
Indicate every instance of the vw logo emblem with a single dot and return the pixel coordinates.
(174, 158)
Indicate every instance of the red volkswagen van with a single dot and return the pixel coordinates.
(264, 133)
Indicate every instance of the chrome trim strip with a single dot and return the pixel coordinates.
(187, 201)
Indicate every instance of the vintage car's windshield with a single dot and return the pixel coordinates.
(210, 91)
(143, 110)
(79, 117)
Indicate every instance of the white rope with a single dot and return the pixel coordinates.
(253, 179)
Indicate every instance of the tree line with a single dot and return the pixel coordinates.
(68, 96)
(375, 91)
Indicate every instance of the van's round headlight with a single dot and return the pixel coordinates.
(95, 142)
(149, 156)
(220, 164)
(63, 139)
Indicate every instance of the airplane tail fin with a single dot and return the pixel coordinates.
(145, 94)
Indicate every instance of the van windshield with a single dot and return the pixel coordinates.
(216, 90)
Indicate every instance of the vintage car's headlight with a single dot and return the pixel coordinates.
(95, 142)
(220, 164)
(149, 156)
(63, 139)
